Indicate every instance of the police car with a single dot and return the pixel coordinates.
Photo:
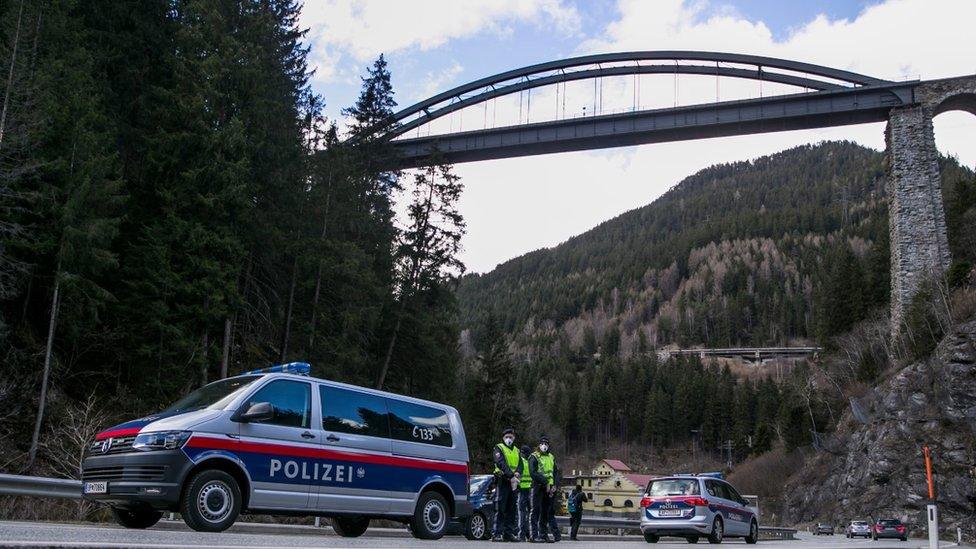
(694, 506)
(276, 441)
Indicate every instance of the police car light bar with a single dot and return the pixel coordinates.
(298, 368)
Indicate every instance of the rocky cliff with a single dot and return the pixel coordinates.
(873, 466)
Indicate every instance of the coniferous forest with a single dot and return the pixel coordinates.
(175, 208)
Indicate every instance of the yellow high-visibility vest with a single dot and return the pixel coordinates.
(547, 465)
(512, 457)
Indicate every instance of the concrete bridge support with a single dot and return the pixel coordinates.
(916, 216)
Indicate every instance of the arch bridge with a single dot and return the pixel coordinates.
(829, 97)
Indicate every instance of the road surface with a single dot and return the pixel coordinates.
(49, 534)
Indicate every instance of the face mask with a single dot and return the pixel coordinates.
(509, 441)
(544, 448)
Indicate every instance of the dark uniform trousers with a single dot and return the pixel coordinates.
(505, 509)
(543, 513)
(524, 520)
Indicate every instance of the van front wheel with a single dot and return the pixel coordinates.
(211, 502)
(429, 520)
(350, 527)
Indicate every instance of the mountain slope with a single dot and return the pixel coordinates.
(736, 254)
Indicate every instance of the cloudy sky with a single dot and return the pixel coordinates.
(517, 205)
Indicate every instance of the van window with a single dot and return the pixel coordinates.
(292, 402)
(417, 423)
(353, 412)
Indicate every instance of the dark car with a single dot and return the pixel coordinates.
(889, 528)
(481, 494)
(823, 529)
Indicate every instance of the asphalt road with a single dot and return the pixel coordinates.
(30, 534)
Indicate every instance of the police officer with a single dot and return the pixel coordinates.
(508, 464)
(542, 467)
(525, 497)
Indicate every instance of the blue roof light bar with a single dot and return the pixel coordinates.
(297, 368)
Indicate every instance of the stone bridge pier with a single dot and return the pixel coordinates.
(916, 216)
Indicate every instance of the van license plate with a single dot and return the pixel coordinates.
(96, 487)
(669, 513)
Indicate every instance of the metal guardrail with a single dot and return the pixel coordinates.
(765, 532)
(42, 487)
(20, 485)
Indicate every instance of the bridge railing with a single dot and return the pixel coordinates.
(44, 487)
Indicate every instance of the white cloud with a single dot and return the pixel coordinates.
(518, 205)
(362, 29)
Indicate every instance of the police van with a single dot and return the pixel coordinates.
(276, 441)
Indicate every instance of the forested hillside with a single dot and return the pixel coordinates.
(175, 209)
(764, 252)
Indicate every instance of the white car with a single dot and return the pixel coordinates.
(858, 528)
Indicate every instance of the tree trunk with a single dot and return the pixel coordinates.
(205, 344)
(318, 276)
(10, 81)
(55, 306)
(291, 305)
(226, 356)
(389, 348)
(408, 286)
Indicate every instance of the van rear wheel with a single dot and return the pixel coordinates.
(211, 502)
(429, 520)
(142, 518)
(350, 527)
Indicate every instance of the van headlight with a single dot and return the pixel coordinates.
(161, 440)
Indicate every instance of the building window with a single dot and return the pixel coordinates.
(589, 496)
(628, 504)
(607, 503)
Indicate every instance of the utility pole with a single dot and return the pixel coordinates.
(933, 512)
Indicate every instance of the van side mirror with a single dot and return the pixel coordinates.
(258, 412)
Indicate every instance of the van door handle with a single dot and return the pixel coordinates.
(306, 434)
(332, 438)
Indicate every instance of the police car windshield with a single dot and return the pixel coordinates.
(215, 395)
(672, 487)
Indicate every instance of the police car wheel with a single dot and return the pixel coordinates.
(718, 531)
(651, 538)
(137, 518)
(753, 536)
(350, 527)
(430, 519)
(211, 502)
(475, 527)
(693, 539)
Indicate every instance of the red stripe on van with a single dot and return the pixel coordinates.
(306, 452)
(118, 433)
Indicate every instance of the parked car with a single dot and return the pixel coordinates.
(696, 506)
(858, 528)
(481, 495)
(889, 528)
(823, 529)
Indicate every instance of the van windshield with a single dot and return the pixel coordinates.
(215, 395)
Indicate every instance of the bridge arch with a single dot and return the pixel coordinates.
(752, 67)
